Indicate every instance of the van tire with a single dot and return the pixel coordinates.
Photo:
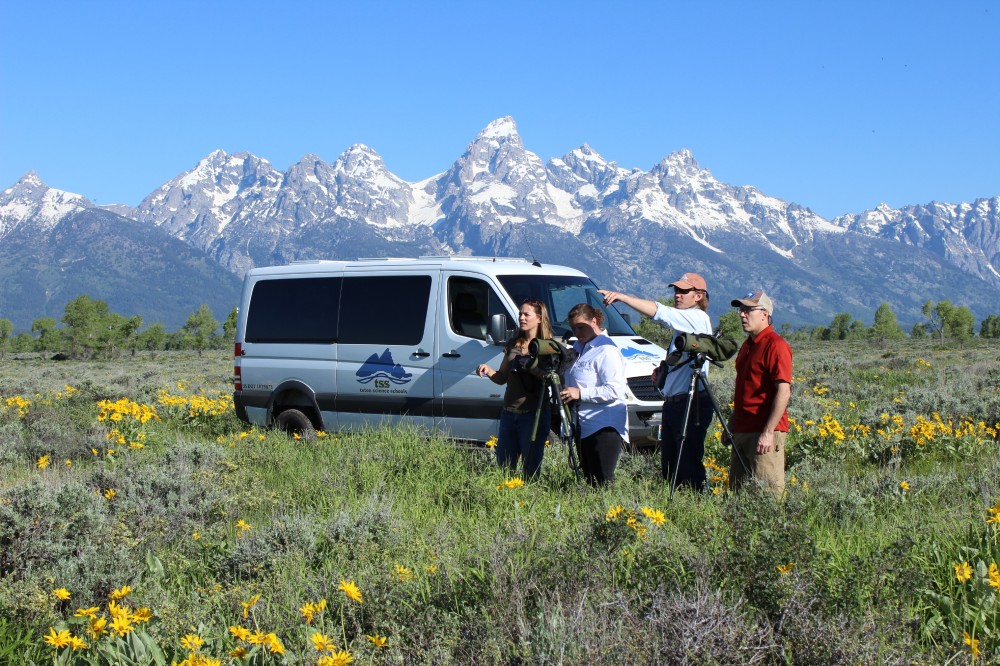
(293, 422)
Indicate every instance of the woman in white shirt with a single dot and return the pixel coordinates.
(689, 315)
(596, 379)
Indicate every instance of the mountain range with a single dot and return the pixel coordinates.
(191, 240)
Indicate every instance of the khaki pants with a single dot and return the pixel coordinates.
(768, 469)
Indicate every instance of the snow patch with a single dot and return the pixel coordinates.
(424, 209)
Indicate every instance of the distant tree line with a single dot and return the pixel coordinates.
(89, 330)
(942, 320)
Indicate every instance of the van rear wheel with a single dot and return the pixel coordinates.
(295, 422)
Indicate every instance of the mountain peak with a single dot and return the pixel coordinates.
(682, 158)
(360, 161)
(362, 149)
(30, 199)
(501, 128)
(586, 154)
(31, 179)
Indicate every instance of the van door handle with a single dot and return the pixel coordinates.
(420, 354)
(452, 355)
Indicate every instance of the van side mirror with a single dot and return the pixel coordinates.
(498, 329)
(627, 317)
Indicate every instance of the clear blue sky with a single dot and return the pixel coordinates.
(837, 106)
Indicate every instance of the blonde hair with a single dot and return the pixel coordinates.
(703, 301)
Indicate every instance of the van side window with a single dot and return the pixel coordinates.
(302, 310)
(384, 309)
(471, 304)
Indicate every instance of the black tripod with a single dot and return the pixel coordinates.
(697, 362)
(568, 426)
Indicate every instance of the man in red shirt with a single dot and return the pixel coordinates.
(763, 386)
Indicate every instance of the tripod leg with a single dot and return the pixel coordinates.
(567, 425)
(692, 391)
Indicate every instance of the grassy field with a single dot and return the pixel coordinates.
(142, 523)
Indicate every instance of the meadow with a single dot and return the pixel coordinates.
(142, 523)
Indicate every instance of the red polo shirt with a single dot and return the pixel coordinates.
(763, 363)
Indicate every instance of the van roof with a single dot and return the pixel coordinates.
(488, 265)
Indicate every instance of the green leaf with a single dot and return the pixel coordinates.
(154, 565)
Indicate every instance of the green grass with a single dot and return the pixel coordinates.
(454, 569)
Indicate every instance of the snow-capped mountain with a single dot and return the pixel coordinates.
(631, 229)
(31, 203)
(967, 235)
(55, 246)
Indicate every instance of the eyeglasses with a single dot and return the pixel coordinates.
(678, 290)
(745, 310)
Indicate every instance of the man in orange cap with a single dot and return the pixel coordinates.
(689, 315)
(763, 386)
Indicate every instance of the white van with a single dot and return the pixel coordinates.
(339, 345)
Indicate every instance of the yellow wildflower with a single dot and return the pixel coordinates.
(44, 461)
(120, 593)
(239, 632)
(87, 612)
(110, 494)
(322, 642)
(239, 652)
(963, 572)
(243, 525)
(257, 638)
(98, 627)
(61, 593)
(121, 625)
(192, 642)
(117, 610)
(77, 643)
(378, 641)
(973, 644)
(350, 590)
(142, 615)
(904, 486)
(994, 576)
(339, 658)
(516, 482)
(308, 610)
(58, 639)
(655, 515)
(274, 644)
(785, 568)
(247, 605)
(491, 443)
(404, 573)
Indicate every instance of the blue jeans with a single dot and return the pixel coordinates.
(690, 468)
(514, 441)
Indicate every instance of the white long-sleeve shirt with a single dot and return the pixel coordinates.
(688, 320)
(599, 373)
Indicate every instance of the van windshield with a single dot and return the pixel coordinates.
(560, 293)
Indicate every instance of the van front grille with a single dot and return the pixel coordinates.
(643, 389)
